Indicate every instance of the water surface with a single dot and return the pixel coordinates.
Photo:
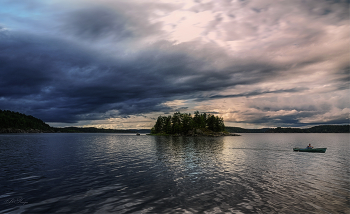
(120, 173)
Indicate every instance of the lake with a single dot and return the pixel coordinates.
(124, 173)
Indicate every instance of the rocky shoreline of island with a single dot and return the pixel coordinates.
(199, 133)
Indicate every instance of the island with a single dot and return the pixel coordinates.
(183, 124)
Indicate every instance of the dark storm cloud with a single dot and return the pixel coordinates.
(294, 120)
(254, 93)
(97, 22)
(342, 79)
(276, 114)
(277, 119)
(286, 108)
(103, 22)
(60, 81)
(64, 82)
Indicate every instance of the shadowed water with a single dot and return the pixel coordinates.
(118, 173)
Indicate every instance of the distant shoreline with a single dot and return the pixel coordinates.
(230, 130)
(72, 130)
(314, 129)
(19, 131)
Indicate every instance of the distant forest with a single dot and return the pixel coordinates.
(315, 129)
(14, 122)
(99, 130)
(242, 130)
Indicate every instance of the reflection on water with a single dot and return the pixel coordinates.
(189, 156)
(111, 173)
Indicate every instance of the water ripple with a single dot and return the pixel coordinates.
(111, 173)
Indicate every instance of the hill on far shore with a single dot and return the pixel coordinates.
(14, 122)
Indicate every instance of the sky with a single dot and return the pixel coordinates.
(122, 63)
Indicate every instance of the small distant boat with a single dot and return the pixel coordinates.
(320, 150)
(137, 133)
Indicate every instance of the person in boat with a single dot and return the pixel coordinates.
(309, 146)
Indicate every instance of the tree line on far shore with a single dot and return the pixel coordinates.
(182, 123)
(315, 129)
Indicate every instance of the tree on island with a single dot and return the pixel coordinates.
(184, 123)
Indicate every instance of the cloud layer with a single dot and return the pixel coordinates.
(118, 65)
